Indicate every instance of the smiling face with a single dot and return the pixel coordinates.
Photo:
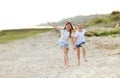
(68, 26)
(80, 26)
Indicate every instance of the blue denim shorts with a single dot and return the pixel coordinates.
(79, 45)
(62, 44)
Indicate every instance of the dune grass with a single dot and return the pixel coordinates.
(11, 35)
(105, 32)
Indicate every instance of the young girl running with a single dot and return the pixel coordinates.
(79, 41)
(66, 35)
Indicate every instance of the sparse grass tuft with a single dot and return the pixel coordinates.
(11, 35)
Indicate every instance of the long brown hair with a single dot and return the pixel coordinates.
(71, 30)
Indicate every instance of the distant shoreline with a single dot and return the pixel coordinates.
(29, 27)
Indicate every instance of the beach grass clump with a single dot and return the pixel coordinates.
(15, 34)
(105, 32)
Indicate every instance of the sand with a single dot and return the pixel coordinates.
(41, 57)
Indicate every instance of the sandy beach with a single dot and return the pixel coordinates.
(41, 57)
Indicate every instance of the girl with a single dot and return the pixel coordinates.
(66, 34)
(79, 41)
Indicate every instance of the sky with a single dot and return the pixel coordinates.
(28, 13)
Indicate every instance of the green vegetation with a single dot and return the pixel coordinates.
(115, 12)
(111, 20)
(11, 35)
(105, 32)
(99, 21)
(115, 17)
(106, 20)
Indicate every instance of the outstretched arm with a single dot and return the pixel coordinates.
(54, 26)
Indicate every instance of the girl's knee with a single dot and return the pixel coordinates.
(78, 52)
(65, 51)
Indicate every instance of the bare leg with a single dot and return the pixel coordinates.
(66, 60)
(84, 52)
(78, 55)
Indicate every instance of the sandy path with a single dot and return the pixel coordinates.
(41, 57)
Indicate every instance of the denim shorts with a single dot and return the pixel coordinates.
(62, 44)
(80, 45)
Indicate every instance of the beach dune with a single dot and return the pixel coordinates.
(41, 57)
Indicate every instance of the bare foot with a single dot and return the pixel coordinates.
(78, 63)
(67, 65)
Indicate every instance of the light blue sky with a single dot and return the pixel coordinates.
(26, 13)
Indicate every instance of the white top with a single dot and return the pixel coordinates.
(64, 36)
(80, 36)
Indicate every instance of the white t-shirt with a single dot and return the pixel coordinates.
(80, 36)
(64, 36)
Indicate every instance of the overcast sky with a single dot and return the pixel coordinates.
(26, 13)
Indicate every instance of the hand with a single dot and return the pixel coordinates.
(54, 26)
(74, 47)
(49, 23)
